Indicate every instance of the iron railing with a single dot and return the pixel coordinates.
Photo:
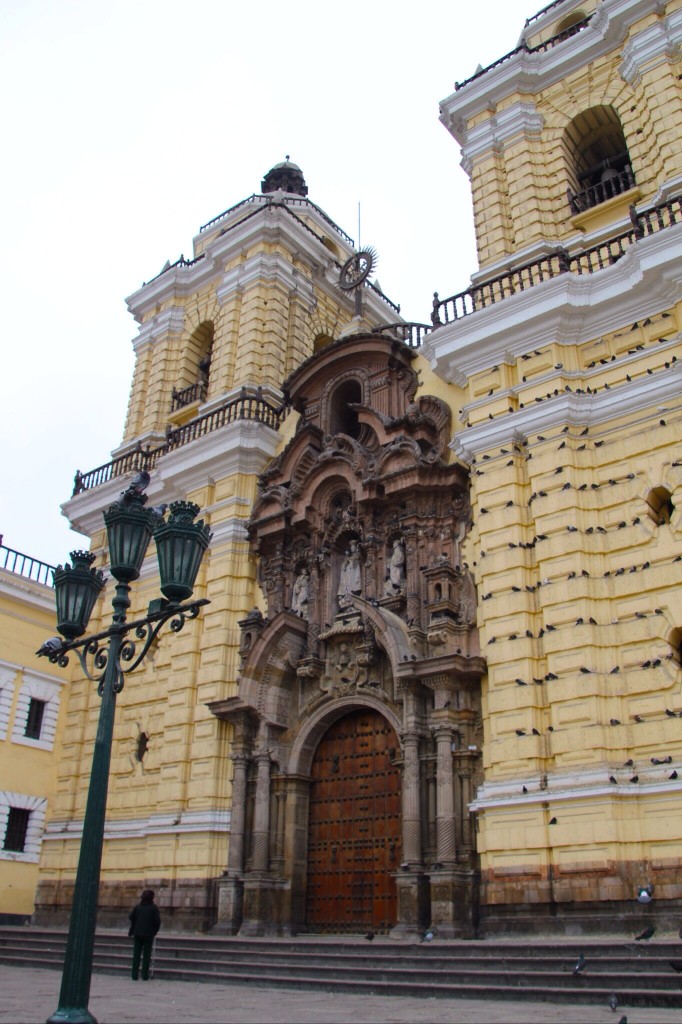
(283, 205)
(411, 334)
(246, 406)
(587, 261)
(262, 200)
(601, 191)
(23, 565)
(543, 10)
(185, 396)
(525, 48)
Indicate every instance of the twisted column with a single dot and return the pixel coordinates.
(446, 843)
(261, 817)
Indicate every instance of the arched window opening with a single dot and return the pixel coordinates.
(197, 368)
(343, 419)
(599, 165)
(660, 506)
(569, 22)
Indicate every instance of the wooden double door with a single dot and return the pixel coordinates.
(354, 833)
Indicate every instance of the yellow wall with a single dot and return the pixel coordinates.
(27, 768)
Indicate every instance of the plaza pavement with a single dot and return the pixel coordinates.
(29, 996)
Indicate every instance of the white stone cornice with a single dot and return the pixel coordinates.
(572, 409)
(271, 267)
(588, 784)
(240, 447)
(656, 44)
(37, 595)
(261, 223)
(211, 820)
(170, 321)
(568, 309)
(530, 73)
(520, 120)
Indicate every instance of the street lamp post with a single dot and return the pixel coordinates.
(113, 653)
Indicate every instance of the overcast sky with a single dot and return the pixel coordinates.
(127, 125)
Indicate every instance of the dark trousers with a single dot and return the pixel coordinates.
(142, 948)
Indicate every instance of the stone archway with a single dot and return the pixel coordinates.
(354, 827)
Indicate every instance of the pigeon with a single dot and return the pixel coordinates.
(623, 1020)
(369, 936)
(136, 486)
(613, 1001)
(580, 965)
(51, 646)
(646, 934)
(676, 965)
(428, 936)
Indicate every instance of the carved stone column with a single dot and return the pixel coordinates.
(261, 817)
(413, 908)
(231, 886)
(259, 890)
(412, 838)
(235, 853)
(446, 846)
(454, 888)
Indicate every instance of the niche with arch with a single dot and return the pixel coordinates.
(195, 367)
(343, 419)
(597, 157)
(660, 505)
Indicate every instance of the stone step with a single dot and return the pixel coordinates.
(640, 975)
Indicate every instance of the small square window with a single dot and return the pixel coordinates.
(17, 827)
(34, 719)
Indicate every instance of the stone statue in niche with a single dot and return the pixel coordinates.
(350, 580)
(395, 581)
(301, 594)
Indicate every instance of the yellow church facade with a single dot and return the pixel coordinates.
(569, 352)
(438, 682)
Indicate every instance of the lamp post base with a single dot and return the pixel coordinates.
(71, 1015)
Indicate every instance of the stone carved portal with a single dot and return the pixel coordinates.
(369, 618)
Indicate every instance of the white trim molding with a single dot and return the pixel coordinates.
(568, 309)
(37, 806)
(38, 688)
(656, 44)
(530, 73)
(7, 678)
(519, 120)
(211, 820)
(579, 785)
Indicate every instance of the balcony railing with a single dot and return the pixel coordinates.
(246, 406)
(601, 191)
(586, 261)
(185, 396)
(525, 48)
(410, 333)
(24, 565)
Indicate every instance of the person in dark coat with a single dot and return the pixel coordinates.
(145, 921)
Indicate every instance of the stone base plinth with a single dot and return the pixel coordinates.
(230, 905)
(454, 903)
